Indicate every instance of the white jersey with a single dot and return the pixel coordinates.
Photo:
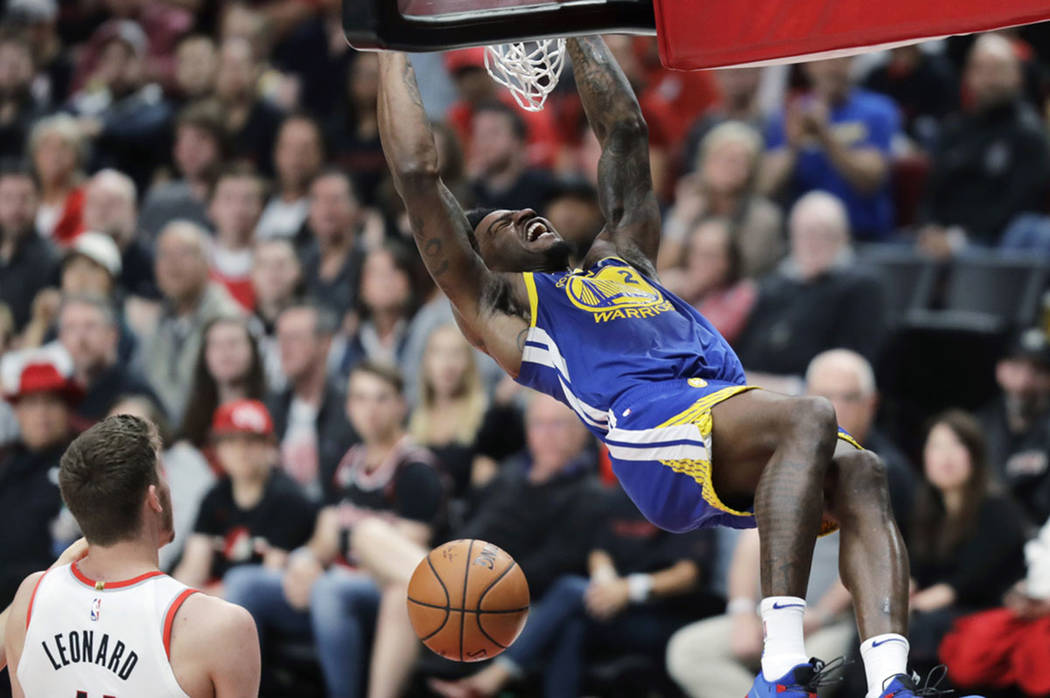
(100, 640)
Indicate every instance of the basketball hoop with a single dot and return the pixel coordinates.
(530, 69)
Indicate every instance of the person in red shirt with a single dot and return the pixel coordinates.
(234, 209)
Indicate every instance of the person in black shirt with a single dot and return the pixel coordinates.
(256, 514)
(642, 587)
(328, 589)
(29, 497)
(503, 178)
(28, 263)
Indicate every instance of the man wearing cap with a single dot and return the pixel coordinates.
(27, 261)
(88, 330)
(254, 515)
(29, 497)
(1017, 423)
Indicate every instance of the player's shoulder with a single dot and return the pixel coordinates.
(208, 617)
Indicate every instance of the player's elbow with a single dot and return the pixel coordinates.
(629, 128)
(415, 175)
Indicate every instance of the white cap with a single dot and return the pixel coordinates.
(100, 249)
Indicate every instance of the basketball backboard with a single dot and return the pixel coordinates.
(428, 25)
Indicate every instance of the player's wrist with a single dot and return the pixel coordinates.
(639, 587)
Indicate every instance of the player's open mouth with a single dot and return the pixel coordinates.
(536, 230)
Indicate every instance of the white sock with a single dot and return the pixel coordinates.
(784, 647)
(884, 656)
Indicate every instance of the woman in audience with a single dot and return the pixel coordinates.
(452, 403)
(229, 368)
(965, 542)
(711, 278)
(56, 149)
(386, 302)
(188, 473)
(724, 185)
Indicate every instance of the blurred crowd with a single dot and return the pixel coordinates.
(197, 226)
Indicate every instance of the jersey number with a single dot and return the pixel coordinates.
(83, 694)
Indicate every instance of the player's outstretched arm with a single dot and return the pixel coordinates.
(439, 225)
(625, 185)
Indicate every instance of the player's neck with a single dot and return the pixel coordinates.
(120, 561)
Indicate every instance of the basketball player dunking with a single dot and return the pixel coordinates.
(111, 624)
(690, 442)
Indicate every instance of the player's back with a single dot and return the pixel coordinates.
(89, 640)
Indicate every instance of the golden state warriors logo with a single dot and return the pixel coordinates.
(615, 292)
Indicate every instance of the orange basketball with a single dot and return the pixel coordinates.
(468, 600)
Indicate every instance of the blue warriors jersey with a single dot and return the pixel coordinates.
(600, 334)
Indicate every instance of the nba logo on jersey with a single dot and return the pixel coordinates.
(96, 608)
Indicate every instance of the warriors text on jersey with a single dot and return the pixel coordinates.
(90, 640)
(642, 369)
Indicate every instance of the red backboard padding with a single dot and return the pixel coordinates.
(698, 34)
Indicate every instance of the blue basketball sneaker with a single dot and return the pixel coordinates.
(800, 682)
(904, 686)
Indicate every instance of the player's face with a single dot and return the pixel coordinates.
(515, 241)
(164, 494)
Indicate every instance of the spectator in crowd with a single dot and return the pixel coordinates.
(836, 138)
(56, 149)
(160, 27)
(816, 300)
(925, 87)
(385, 477)
(35, 21)
(277, 280)
(642, 586)
(29, 499)
(499, 161)
(187, 471)
(90, 267)
(121, 109)
(724, 186)
(965, 540)
(197, 154)
(386, 302)
(452, 404)
(309, 415)
(228, 369)
(992, 161)
(719, 656)
(28, 262)
(475, 89)
(19, 107)
(711, 277)
(352, 131)
(1016, 424)
(88, 330)
(298, 156)
(255, 514)
(250, 122)
(332, 261)
(196, 62)
(109, 208)
(847, 380)
(191, 300)
(574, 211)
(739, 88)
(235, 205)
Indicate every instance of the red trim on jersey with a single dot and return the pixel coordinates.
(169, 618)
(83, 578)
(32, 597)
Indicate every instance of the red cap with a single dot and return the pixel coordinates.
(242, 417)
(464, 58)
(44, 377)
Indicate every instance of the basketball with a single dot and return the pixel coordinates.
(468, 600)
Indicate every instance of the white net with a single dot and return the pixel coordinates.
(530, 70)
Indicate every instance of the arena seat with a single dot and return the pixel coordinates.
(908, 279)
(1007, 287)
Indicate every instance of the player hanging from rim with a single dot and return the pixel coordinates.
(111, 623)
(690, 442)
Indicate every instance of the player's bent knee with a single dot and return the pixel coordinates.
(864, 471)
(814, 417)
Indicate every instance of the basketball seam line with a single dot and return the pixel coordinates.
(448, 600)
(481, 598)
(460, 610)
(463, 603)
